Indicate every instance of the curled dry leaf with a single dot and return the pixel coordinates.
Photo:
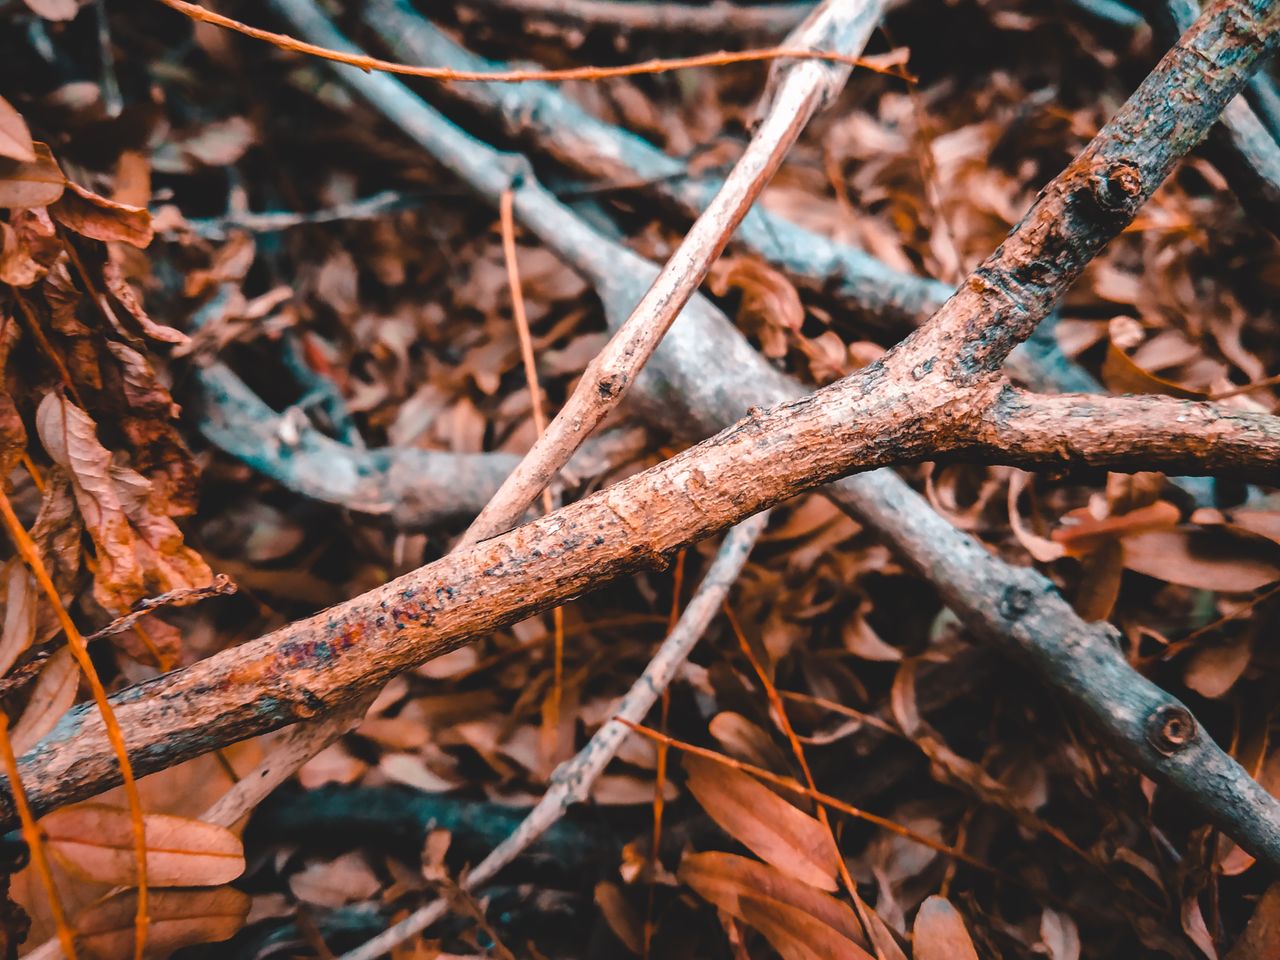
(179, 918)
(1059, 935)
(770, 304)
(140, 551)
(1213, 670)
(724, 879)
(760, 820)
(939, 933)
(95, 842)
(32, 183)
(15, 138)
(113, 279)
(51, 697)
(98, 218)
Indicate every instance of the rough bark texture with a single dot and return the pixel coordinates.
(1130, 433)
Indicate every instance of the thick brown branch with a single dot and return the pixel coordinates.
(1129, 433)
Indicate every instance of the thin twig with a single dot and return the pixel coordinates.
(572, 782)
(722, 58)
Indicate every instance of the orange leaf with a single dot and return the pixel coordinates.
(54, 692)
(723, 879)
(15, 138)
(795, 934)
(95, 842)
(35, 183)
(1204, 559)
(1213, 669)
(179, 918)
(1261, 938)
(1122, 375)
(939, 933)
(98, 218)
(760, 820)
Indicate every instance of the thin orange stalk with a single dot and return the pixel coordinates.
(719, 59)
(506, 216)
(35, 843)
(797, 749)
(79, 649)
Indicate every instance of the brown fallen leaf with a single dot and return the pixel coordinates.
(939, 932)
(795, 934)
(623, 919)
(1213, 670)
(760, 820)
(98, 218)
(95, 842)
(140, 551)
(52, 696)
(1261, 938)
(15, 137)
(179, 918)
(33, 183)
(1122, 375)
(724, 879)
(1205, 559)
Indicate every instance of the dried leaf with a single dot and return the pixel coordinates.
(179, 918)
(51, 697)
(15, 138)
(19, 613)
(770, 303)
(55, 9)
(724, 879)
(1204, 559)
(114, 280)
(939, 933)
(1214, 669)
(139, 550)
(335, 883)
(1261, 938)
(98, 218)
(623, 919)
(760, 820)
(95, 842)
(34, 183)
(1059, 935)
(795, 934)
(1122, 375)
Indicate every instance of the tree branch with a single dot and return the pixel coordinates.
(1128, 434)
